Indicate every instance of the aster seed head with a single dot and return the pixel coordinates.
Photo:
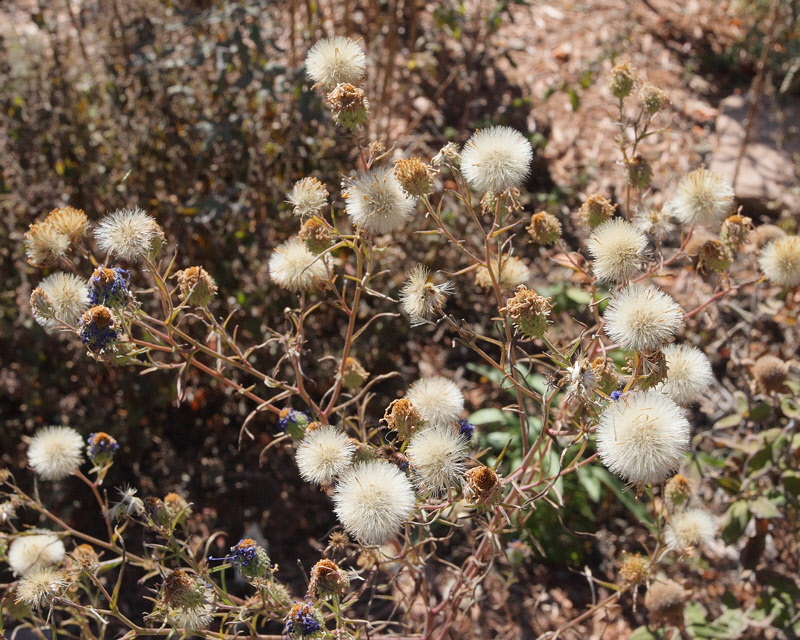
(596, 210)
(403, 417)
(130, 234)
(496, 159)
(544, 229)
(438, 399)
(482, 486)
(336, 60)
(702, 197)
(35, 550)
(377, 203)
(293, 267)
(55, 452)
(687, 530)
(513, 272)
(735, 230)
(72, 222)
(437, 456)
(621, 80)
(349, 105)
(308, 197)
(197, 286)
(618, 250)
(328, 580)
(770, 373)
(780, 261)
(324, 454)
(45, 244)
(41, 586)
(529, 312)
(415, 176)
(420, 298)
(633, 568)
(59, 298)
(665, 602)
(642, 318)
(714, 256)
(652, 98)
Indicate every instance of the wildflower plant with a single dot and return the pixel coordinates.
(594, 391)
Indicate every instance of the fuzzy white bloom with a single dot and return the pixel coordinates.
(513, 272)
(34, 551)
(377, 202)
(55, 452)
(642, 437)
(40, 586)
(372, 500)
(293, 267)
(617, 248)
(323, 454)
(642, 318)
(45, 243)
(307, 197)
(496, 159)
(780, 261)
(129, 234)
(656, 222)
(335, 61)
(701, 197)
(689, 529)
(437, 456)
(688, 373)
(191, 618)
(67, 297)
(420, 298)
(438, 399)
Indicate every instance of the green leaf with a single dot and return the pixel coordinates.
(736, 518)
(643, 633)
(728, 421)
(764, 508)
(493, 417)
(791, 482)
(790, 407)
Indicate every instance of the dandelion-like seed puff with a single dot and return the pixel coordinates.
(437, 456)
(293, 267)
(642, 437)
(323, 454)
(335, 61)
(688, 373)
(438, 399)
(642, 318)
(55, 452)
(34, 551)
(129, 234)
(377, 202)
(689, 529)
(780, 261)
(702, 197)
(617, 248)
(421, 298)
(496, 159)
(373, 499)
(66, 298)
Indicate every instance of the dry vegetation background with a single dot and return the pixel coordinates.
(200, 113)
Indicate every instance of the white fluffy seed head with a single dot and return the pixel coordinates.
(34, 551)
(702, 197)
(376, 202)
(55, 452)
(335, 61)
(45, 243)
(642, 318)
(642, 437)
(438, 400)
(437, 456)
(688, 373)
(780, 261)
(307, 197)
(292, 266)
(618, 249)
(690, 529)
(323, 454)
(513, 273)
(67, 296)
(41, 586)
(656, 222)
(421, 298)
(129, 234)
(496, 159)
(373, 499)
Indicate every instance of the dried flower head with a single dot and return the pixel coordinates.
(35, 550)
(652, 98)
(377, 203)
(353, 373)
(656, 222)
(421, 298)
(735, 230)
(639, 172)
(770, 373)
(438, 399)
(642, 437)
(349, 105)
(448, 154)
(528, 311)
(185, 601)
(437, 456)
(689, 529)
(98, 329)
(317, 235)
(702, 197)
(41, 586)
(403, 416)
(45, 244)
(513, 272)
(8, 511)
(780, 261)
(688, 373)
(634, 568)
(642, 318)
(482, 486)
(714, 256)
(621, 80)
(372, 500)
(544, 229)
(308, 197)
(304, 622)
(73, 223)
(55, 452)
(292, 266)
(596, 210)
(323, 454)
(415, 176)
(678, 490)
(618, 250)
(335, 60)
(197, 286)
(128, 506)
(86, 558)
(328, 579)
(665, 602)
(60, 297)
(496, 159)
(129, 234)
